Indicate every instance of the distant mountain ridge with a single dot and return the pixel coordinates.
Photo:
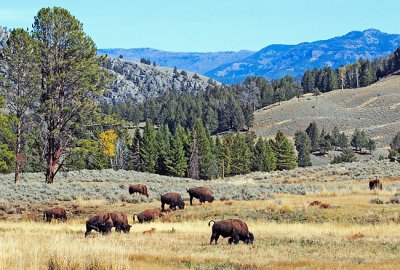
(276, 61)
(197, 62)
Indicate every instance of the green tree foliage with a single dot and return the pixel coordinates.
(240, 158)
(7, 139)
(325, 144)
(359, 140)
(20, 82)
(176, 163)
(148, 149)
(71, 79)
(313, 132)
(346, 156)
(263, 157)
(308, 81)
(204, 148)
(284, 151)
(395, 145)
(163, 139)
(303, 147)
(343, 141)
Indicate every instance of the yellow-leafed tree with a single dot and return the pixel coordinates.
(107, 140)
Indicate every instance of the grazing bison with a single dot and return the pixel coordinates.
(56, 213)
(374, 184)
(148, 215)
(173, 199)
(202, 193)
(235, 229)
(120, 222)
(138, 188)
(100, 223)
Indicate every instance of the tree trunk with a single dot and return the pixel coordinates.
(17, 153)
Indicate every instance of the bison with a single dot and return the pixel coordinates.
(56, 213)
(120, 222)
(138, 188)
(100, 223)
(152, 230)
(202, 193)
(235, 229)
(148, 215)
(374, 184)
(173, 199)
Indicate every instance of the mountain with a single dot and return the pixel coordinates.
(276, 61)
(192, 61)
(136, 82)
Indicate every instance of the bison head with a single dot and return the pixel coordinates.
(249, 238)
(181, 205)
(126, 228)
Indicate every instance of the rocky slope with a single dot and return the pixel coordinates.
(136, 82)
(276, 61)
(191, 61)
(3, 37)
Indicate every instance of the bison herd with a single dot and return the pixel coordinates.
(235, 229)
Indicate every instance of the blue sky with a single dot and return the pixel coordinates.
(212, 25)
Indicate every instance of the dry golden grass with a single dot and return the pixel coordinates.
(181, 240)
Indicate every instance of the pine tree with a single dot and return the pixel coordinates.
(346, 156)
(325, 142)
(240, 163)
(71, 80)
(263, 158)
(193, 166)
(148, 150)
(7, 139)
(20, 80)
(163, 149)
(343, 141)
(270, 162)
(134, 148)
(335, 137)
(313, 133)
(394, 150)
(308, 82)
(176, 162)
(204, 147)
(358, 140)
(285, 153)
(303, 147)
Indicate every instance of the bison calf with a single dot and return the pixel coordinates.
(100, 223)
(235, 229)
(148, 215)
(150, 231)
(202, 193)
(173, 199)
(374, 184)
(138, 188)
(120, 222)
(56, 213)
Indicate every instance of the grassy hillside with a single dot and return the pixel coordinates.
(374, 108)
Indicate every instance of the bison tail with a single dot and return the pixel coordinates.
(210, 222)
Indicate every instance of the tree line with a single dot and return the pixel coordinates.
(359, 74)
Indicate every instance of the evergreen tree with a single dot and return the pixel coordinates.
(325, 142)
(263, 158)
(343, 141)
(371, 145)
(134, 149)
(359, 140)
(284, 151)
(20, 80)
(308, 81)
(335, 137)
(270, 164)
(163, 140)
(148, 150)
(303, 147)
(176, 163)
(193, 166)
(240, 163)
(71, 80)
(313, 133)
(346, 156)
(395, 146)
(204, 148)
(7, 139)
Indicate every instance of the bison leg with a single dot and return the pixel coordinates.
(214, 237)
(162, 205)
(234, 238)
(191, 200)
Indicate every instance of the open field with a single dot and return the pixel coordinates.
(359, 230)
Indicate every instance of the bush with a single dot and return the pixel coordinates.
(376, 201)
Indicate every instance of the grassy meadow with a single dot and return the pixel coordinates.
(359, 229)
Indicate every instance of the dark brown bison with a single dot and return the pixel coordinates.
(202, 193)
(148, 215)
(235, 229)
(374, 184)
(56, 213)
(173, 199)
(120, 222)
(100, 223)
(138, 188)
